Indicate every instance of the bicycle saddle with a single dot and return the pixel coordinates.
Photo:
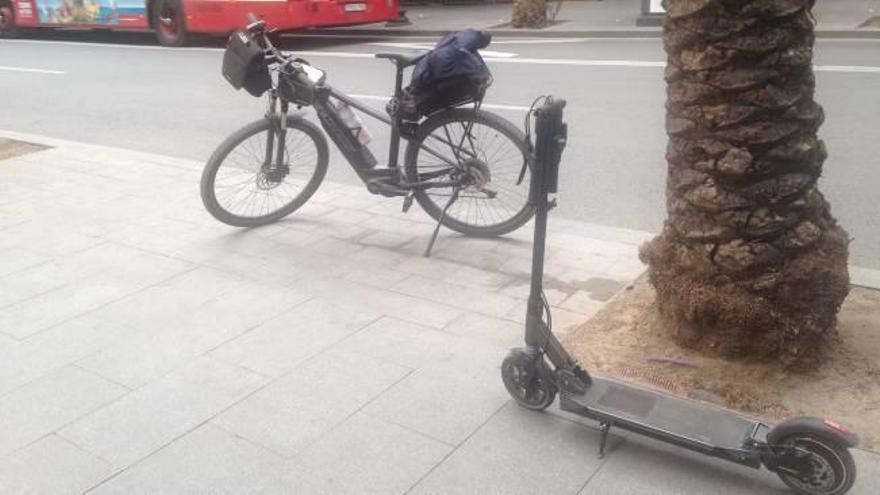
(401, 59)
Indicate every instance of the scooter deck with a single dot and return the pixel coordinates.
(660, 415)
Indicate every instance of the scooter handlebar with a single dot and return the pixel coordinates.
(551, 135)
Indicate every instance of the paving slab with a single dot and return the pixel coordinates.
(146, 348)
(294, 336)
(172, 340)
(401, 342)
(440, 403)
(51, 466)
(356, 458)
(26, 361)
(518, 451)
(147, 419)
(498, 331)
(206, 460)
(461, 296)
(49, 403)
(55, 306)
(300, 407)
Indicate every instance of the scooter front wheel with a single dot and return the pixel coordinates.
(833, 468)
(528, 381)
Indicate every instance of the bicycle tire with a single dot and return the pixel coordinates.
(175, 35)
(8, 29)
(209, 174)
(522, 214)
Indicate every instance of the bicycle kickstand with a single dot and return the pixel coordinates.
(440, 222)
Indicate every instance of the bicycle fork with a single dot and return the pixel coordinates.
(279, 128)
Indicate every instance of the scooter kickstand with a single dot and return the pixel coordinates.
(604, 427)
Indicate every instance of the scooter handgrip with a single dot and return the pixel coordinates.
(551, 134)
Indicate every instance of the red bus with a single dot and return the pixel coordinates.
(173, 20)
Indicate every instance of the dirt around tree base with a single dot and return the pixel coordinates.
(10, 148)
(627, 340)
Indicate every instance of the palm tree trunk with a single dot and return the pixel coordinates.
(750, 261)
(529, 13)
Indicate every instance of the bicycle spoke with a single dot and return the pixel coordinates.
(468, 140)
(246, 187)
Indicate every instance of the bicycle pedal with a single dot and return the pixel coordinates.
(407, 202)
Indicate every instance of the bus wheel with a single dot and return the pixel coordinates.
(169, 23)
(7, 20)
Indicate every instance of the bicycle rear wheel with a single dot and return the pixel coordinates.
(242, 187)
(484, 152)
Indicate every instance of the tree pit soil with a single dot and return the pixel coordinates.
(627, 340)
(10, 148)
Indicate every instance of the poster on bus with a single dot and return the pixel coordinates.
(88, 12)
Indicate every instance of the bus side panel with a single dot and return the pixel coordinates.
(349, 12)
(25, 13)
(223, 16)
(117, 14)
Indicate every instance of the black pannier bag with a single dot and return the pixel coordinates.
(244, 65)
(453, 73)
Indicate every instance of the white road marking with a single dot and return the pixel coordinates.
(318, 35)
(433, 39)
(334, 54)
(493, 54)
(428, 46)
(541, 41)
(86, 44)
(28, 69)
(589, 63)
(846, 69)
(494, 106)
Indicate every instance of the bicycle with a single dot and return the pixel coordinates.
(467, 168)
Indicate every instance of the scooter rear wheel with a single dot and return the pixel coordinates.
(834, 470)
(528, 381)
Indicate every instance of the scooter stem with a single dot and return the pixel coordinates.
(548, 150)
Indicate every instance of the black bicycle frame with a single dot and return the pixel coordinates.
(341, 136)
(333, 125)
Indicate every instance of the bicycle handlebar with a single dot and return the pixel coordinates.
(254, 23)
(257, 29)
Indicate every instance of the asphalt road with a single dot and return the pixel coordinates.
(120, 89)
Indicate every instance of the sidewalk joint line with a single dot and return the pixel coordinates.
(454, 450)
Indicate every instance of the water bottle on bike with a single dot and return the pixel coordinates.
(357, 128)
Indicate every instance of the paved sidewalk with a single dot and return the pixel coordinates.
(835, 18)
(146, 348)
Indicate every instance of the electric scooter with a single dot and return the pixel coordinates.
(809, 454)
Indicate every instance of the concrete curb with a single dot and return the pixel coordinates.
(642, 33)
(864, 277)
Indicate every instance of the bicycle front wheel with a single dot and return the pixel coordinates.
(477, 158)
(245, 185)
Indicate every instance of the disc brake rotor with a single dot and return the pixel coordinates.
(270, 179)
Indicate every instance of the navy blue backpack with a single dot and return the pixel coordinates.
(451, 74)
